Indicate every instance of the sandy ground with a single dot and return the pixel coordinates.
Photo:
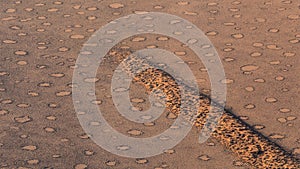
(258, 42)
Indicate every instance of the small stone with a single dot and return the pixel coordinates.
(49, 129)
(210, 143)
(259, 80)
(279, 78)
(97, 102)
(149, 124)
(33, 161)
(76, 36)
(44, 84)
(58, 75)
(289, 54)
(249, 106)
(3, 73)
(244, 117)
(91, 80)
(281, 120)
(9, 41)
(273, 30)
(256, 54)
(92, 8)
(63, 93)
(294, 41)
(229, 23)
(151, 46)
(169, 151)
(21, 53)
(271, 100)
(23, 119)
(77, 6)
(277, 136)
(52, 118)
(190, 13)
(180, 53)
(204, 157)
(285, 110)
(33, 94)
(162, 38)
(171, 116)
(135, 132)
(249, 68)
(249, 89)
(275, 62)
(111, 163)
(228, 49)
(238, 163)
(29, 148)
(141, 161)
(140, 12)
(64, 140)
(138, 39)
(116, 5)
(212, 4)
(260, 19)
(23, 105)
(24, 136)
(3, 112)
(257, 44)
(227, 81)
(89, 152)
(52, 10)
(182, 3)
(10, 10)
(63, 49)
(293, 16)
(81, 166)
(259, 127)
(237, 36)
(137, 100)
(84, 136)
(53, 105)
(290, 118)
(211, 33)
(273, 47)
(22, 62)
